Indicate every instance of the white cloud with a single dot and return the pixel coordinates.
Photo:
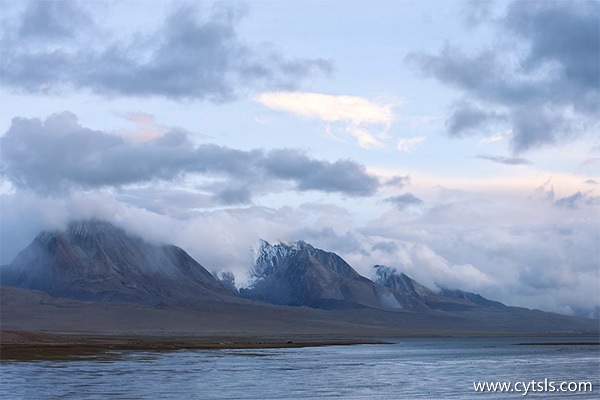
(498, 137)
(366, 120)
(146, 126)
(409, 143)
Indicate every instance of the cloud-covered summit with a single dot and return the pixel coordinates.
(540, 79)
(58, 154)
(195, 54)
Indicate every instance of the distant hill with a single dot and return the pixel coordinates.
(416, 296)
(96, 261)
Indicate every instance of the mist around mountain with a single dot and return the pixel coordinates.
(96, 261)
(130, 283)
(297, 274)
(416, 295)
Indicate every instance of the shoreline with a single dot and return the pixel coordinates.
(28, 345)
(19, 345)
(559, 344)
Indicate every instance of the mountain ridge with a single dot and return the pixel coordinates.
(298, 274)
(95, 277)
(418, 296)
(94, 260)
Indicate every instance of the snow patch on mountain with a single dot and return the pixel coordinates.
(268, 258)
(400, 282)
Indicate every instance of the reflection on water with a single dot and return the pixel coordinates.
(409, 368)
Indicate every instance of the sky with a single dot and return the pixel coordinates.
(455, 141)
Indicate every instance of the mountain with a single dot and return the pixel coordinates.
(297, 274)
(416, 296)
(95, 277)
(96, 261)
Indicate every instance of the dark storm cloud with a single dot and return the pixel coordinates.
(404, 200)
(505, 160)
(563, 31)
(546, 94)
(189, 57)
(58, 154)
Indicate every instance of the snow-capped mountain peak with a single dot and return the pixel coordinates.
(400, 282)
(268, 258)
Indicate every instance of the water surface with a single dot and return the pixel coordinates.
(423, 368)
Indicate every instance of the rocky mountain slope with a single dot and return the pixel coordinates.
(86, 278)
(298, 274)
(418, 297)
(97, 261)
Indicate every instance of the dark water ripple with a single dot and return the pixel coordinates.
(409, 368)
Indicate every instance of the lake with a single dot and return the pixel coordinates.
(410, 368)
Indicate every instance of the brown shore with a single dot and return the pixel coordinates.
(29, 345)
(34, 325)
(18, 345)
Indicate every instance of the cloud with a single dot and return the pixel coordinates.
(576, 200)
(498, 234)
(58, 154)
(53, 20)
(192, 55)
(505, 160)
(544, 192)
(543, 86)
(220, 240)
(468, 118)
(477, 12)
(485, 241)
(409, 144)
(404, 200)
(591, 182)
(175, 202)
(344, 176)
(363, 251)
(359, 115)
(146, 126)
(398, 181)
(497, 137)
(591, 161)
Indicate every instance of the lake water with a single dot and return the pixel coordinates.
(407, 369)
